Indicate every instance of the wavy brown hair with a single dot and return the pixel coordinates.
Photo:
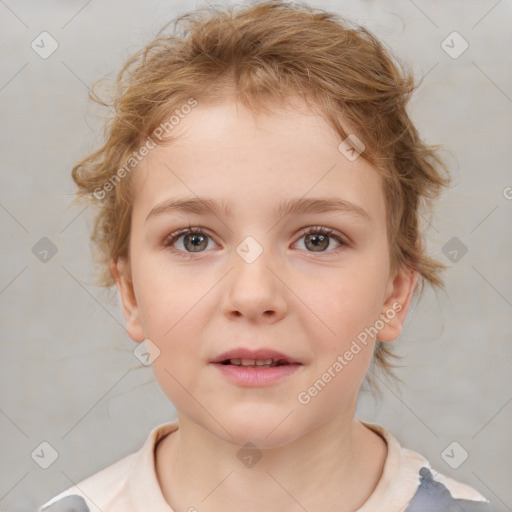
(263, 54)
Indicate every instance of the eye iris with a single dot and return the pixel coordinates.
(320, 242)
(196, 240)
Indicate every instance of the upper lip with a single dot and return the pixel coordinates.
(259, 354)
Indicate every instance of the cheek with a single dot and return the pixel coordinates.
(343, 303)
(166, 295)
(174, 326)
(173, 304)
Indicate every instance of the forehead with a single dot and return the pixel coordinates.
(254, 159)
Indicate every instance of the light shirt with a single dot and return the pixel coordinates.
(407, 484)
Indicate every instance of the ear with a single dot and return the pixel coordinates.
(121, 271)
(398, 297)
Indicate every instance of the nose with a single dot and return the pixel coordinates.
(255, 290)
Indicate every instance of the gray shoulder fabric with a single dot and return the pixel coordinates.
(68, 504)
(432, 496)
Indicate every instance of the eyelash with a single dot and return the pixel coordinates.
(173, 237)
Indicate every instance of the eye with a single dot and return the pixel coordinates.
(318, 239)
(194, 240)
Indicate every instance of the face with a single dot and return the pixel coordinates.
(306, 283)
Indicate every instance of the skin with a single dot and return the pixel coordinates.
(308, 304)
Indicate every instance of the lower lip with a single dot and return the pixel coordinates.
(250, 376)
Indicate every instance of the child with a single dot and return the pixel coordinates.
(259, 197)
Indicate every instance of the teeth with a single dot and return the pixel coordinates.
(260, 362)
(253, 362)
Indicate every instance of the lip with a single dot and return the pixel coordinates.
(261, 353)
(256, 377)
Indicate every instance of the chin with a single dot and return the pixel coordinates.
(263, 431)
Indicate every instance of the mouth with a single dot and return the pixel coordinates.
(260, 358)
(255, 363)
(254, 374)
(255, 368)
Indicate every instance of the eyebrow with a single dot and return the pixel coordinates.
(292, 206)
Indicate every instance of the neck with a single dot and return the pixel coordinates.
(335, 467)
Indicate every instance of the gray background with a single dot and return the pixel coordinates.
(68, 373)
